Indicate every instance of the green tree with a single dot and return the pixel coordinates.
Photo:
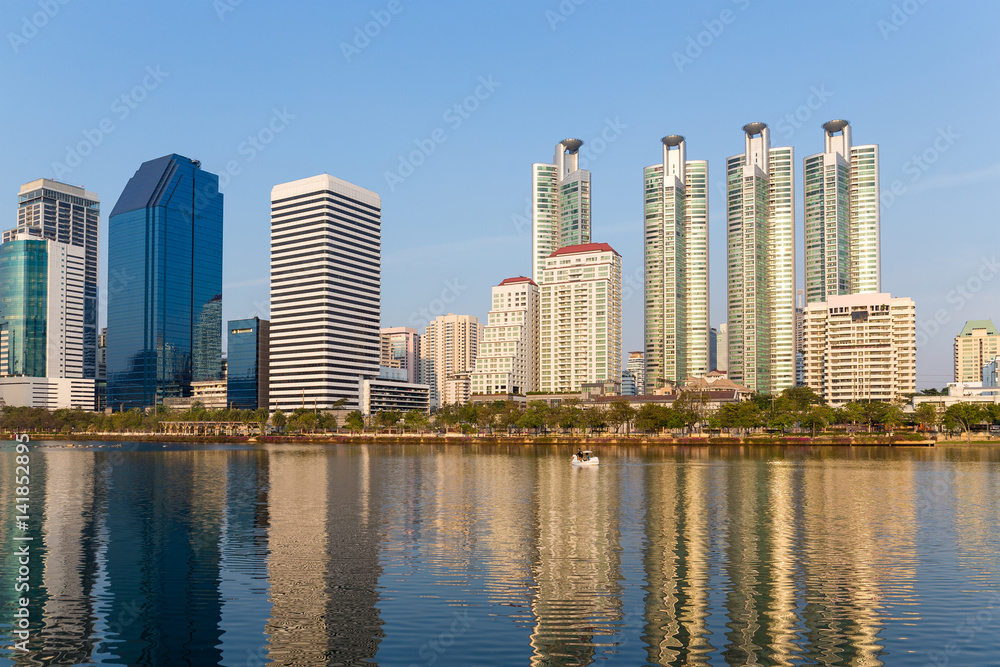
(387, 418)
(593, 418)
(874, 412)
(415, 420)
(569, 415)
(964, 416)
(741, 417)
(508, 415)
(926, 415)
(892, 417)
(817, 417)
(649, 418)
(534, 417)
(354, 421)
(446, 415)
(690, 408)
(850, 413)
(279, 420)
(620, 413)
(801, 399)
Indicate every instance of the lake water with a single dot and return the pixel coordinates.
(485, 555)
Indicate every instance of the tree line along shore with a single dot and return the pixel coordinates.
(796, 415)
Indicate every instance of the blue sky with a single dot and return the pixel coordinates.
(276, 92)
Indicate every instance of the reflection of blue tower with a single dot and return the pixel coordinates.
(162, 563)
(165, 252)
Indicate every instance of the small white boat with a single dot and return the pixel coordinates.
(588, 459)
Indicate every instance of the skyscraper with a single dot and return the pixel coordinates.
(507, 361)
(325, 292)
(165, 249)
(841, 216)
(560, 204)
(448, 349)
(760, 218)
(580, 317)
(976, 345)
(676, 266)
(247, 363)
(713, 349)
(400, 348)
(636, 365)
(722, 348)
(42, 287)
(68, 214)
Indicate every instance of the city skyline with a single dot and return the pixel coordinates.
(937, 161)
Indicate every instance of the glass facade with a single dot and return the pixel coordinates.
(24, 305)
(247, 378)
(165, 256)
(68, 214)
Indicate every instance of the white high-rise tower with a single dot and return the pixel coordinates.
(560, 204)
(676, 266)
(841, 216)
(55, 211)
(507, 362)
(760, 217)
(325, 292)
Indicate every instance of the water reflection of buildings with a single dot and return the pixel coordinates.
(772, 549)
(162, 558)
(676, 563)
(323, 566)
(69, 565)
(576, 562)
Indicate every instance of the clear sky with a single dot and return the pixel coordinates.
(274, 92)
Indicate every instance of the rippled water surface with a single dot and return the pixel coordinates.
(471, 555)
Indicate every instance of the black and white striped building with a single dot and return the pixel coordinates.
(325, 292)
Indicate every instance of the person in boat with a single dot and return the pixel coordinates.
(579, 455)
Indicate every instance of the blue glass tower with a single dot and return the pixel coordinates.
(24, 270)
(247, 381)
(165, 291)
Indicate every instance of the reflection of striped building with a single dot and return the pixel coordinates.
(323, 565)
